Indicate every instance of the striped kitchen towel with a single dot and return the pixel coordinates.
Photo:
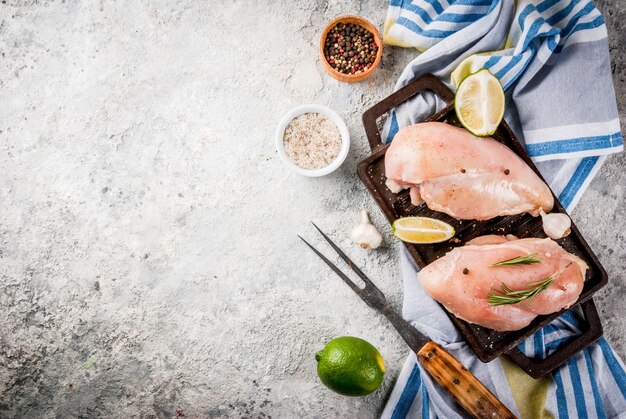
(592, 384)
(552, 59)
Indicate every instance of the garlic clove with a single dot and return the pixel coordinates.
(365, 234)
(556, 225)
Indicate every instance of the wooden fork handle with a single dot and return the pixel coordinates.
(466, 389)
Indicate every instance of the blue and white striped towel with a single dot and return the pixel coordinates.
(552, 59)
(592, 384)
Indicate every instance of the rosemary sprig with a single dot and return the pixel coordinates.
(509, 296)
(519, 260)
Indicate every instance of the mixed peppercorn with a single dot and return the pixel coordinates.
(350, 48)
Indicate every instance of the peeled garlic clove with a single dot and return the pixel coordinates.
(556, 225)
(365, 234)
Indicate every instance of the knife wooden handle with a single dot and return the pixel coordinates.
(466, 389)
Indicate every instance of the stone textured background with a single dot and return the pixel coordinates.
(149, 264)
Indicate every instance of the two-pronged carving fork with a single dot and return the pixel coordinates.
(466, 389)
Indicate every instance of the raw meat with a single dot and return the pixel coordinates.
(467, 177)
(462, 280)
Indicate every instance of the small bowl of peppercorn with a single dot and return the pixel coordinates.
(350, 48)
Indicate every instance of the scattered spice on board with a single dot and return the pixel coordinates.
(350, 48)
(312, 141)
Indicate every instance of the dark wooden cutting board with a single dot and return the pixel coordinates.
(486, 343)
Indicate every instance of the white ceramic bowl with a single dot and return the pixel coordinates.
(330, 114)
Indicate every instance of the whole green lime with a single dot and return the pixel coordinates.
(350, 366)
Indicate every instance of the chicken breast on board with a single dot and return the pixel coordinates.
(466, 177)
(462, 280)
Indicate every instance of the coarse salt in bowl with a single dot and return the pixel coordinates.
(332, 117)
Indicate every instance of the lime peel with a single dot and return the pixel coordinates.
(350, 366)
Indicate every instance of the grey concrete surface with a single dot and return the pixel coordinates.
(148, 260)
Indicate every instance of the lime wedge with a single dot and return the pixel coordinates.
(479, 103)
(422, 230)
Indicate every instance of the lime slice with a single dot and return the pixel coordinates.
(422, 230)
(479, 103)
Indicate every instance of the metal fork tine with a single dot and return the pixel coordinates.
(346, 259)
(332, 266)
(375, 298)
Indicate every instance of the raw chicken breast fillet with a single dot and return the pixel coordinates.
(467, 177)
(465, 294)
